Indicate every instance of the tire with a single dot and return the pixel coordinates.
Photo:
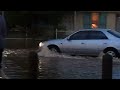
(54, 49)
(112, 52)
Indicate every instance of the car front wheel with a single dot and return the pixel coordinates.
(54, 49)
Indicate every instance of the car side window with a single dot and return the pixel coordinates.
(81, 35)
(96, 35)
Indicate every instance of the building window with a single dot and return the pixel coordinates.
(102, 20)
(87, 20)
(118, 22)
(94, 20)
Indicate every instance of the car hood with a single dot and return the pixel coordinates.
(55, 40)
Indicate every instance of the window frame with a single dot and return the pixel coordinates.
(114, 33)
(77, 33)
(87, 35)
(99, 32)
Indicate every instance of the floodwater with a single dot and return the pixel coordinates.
(55, 66)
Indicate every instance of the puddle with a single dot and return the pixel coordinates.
(57, 66)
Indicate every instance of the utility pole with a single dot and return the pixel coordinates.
(74, 20)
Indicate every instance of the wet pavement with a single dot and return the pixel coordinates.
(16, 66)
(68, 68)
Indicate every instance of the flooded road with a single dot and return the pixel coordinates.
(54, 66)
(68, 68)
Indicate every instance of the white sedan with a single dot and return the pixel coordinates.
(87, 42)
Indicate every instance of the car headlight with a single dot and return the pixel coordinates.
(41, 44)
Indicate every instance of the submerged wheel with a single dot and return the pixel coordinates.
(112, 52)
(54, 49)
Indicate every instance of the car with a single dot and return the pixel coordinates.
(90, 42)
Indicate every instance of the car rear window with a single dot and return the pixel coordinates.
(114, 33)
(96, 35)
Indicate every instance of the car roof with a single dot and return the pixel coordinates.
(94, 29)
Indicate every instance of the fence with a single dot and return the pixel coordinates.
(17, 43)
(21, 40)
(62, 33)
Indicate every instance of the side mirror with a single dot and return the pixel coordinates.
(68, 39)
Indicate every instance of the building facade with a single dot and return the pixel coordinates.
(92, 19)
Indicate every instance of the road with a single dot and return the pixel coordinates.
(16, 66)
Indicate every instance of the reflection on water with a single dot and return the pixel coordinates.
(55, 66)
(64, 68)
(48, 68)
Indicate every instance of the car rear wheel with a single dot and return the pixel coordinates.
(113, 53)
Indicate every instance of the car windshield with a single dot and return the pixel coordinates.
(114, 33)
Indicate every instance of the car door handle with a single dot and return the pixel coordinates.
(105, 43)
(82, 43)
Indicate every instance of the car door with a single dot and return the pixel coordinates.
(97, 41)
(75, 44)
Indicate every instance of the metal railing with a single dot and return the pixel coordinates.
(62, 33)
